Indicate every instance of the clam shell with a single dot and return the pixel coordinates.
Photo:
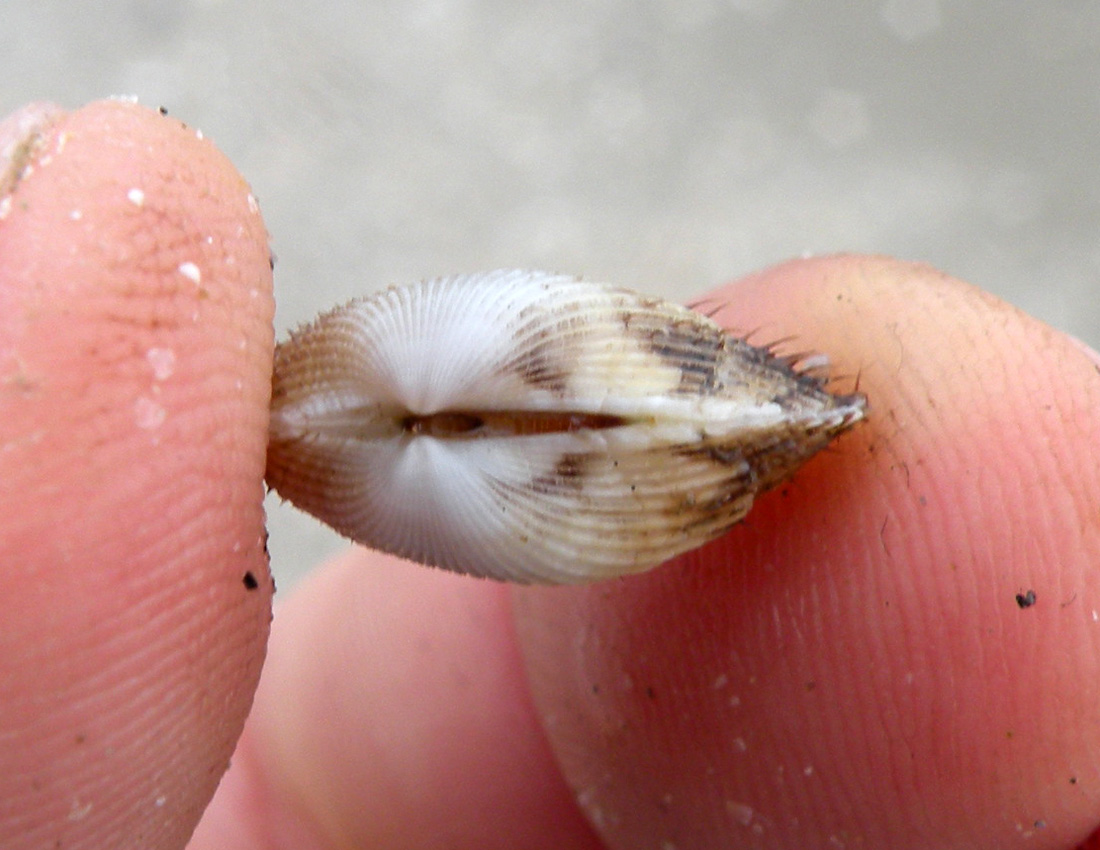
(535, 427)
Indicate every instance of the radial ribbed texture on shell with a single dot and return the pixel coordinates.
(535, 427)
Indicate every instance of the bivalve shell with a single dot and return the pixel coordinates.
(535, 427)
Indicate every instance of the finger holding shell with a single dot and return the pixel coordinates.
(534, 427)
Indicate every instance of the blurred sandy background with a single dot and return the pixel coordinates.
(667, 145)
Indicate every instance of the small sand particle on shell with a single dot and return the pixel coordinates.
(253, 207)
(740, 812)
(148, 414)
(76, 215)
(190, 271)
(5, 206)
(136, 197)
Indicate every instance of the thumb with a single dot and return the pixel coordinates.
(135, 350)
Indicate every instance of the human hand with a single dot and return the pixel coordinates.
(848, 666)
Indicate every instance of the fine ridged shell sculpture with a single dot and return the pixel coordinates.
(534, 427)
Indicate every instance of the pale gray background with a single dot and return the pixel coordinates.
(668, 145)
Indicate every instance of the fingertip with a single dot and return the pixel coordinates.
(135, 356)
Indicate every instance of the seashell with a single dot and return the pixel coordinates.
(534, 427)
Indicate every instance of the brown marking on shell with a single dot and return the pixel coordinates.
(721, 454)
(762, 360)
(540, 364)
(542, 370)
(694, 348)
(683, 340)
(567, 476)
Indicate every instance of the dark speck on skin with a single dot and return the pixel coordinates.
(1025, 600)
(250, 582)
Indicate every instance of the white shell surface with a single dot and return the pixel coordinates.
(586, 431)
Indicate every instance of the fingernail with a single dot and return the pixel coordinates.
(21, 134)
